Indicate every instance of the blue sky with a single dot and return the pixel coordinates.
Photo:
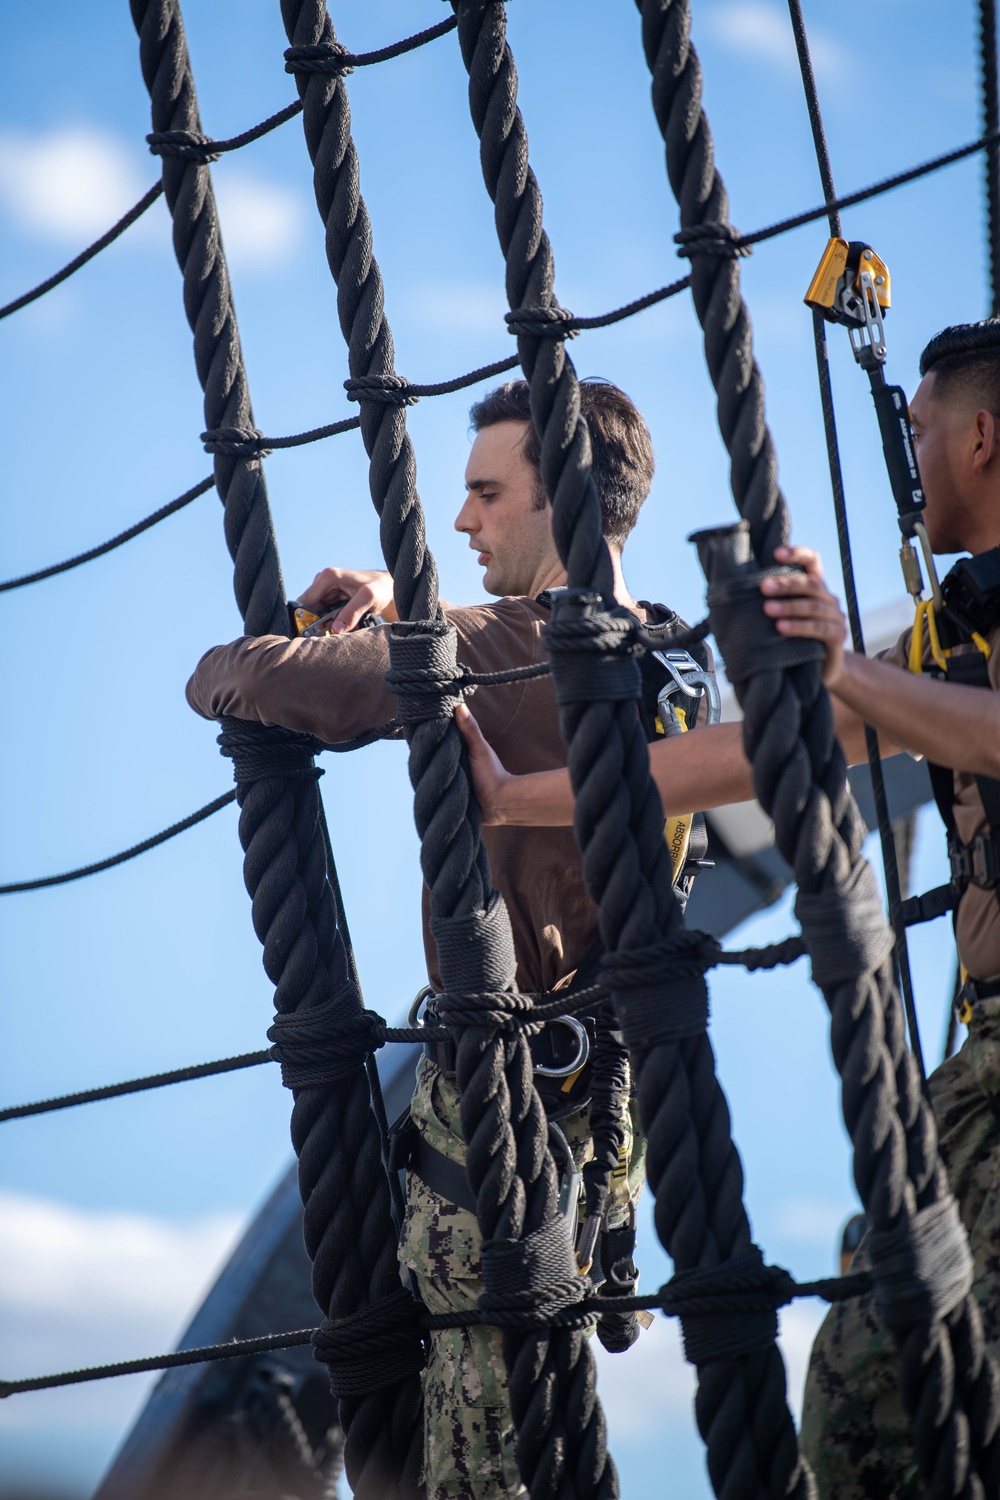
(115, 1217)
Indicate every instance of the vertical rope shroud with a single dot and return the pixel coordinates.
(887, 840)
(991, 123)
(349, 1229)
(693, 1166)
(949, 1388)
(561, 1444)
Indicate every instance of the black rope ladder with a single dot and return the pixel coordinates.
(372, 1333)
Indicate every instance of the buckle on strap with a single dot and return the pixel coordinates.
(977, 863)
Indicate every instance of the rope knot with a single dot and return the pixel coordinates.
(188, 145)
(717, 239)
(331, 59)
(323, 1045)
(594, 650)
(236, 442)
(373, 1348)
(542, 322)
(260, 751)
(501, 1010)
(390, 390)
(729, 1309)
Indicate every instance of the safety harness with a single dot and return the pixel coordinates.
(679, 691)
(852, 287)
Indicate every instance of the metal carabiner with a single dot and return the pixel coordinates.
(571, 1181)
(690, 678)
(582, 1049)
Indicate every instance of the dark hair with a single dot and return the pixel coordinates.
(966, 361)
(619, 441)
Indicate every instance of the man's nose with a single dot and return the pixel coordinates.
(465, 520)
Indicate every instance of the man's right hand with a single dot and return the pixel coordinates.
(361, 590)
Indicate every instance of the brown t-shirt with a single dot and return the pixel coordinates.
(334, 687)
(977, 928)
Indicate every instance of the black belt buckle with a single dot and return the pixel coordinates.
(984, 862)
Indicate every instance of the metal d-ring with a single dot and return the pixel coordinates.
(582, 1049)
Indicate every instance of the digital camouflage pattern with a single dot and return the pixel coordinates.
(854, 1429)
(468, 1434)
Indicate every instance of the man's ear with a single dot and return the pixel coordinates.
(987, 441)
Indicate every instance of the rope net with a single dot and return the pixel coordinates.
(372, 1331)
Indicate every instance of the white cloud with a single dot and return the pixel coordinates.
(652, 1384)
(85, 1286)
(71, 183)
(262, 222)
(761, 30)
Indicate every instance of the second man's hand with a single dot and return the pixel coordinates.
(803, 605)
(361, 591)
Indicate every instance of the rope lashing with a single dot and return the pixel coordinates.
(236, 442)
(187, 145)
(389, 390)
(749, 639)
(726, 1310)
(535, 1277)
(845, 931)
(331, 59)
(542, 322)
(372, 1349)
(262, 751)
(921, 1268)
(322, 1045)
(594, 654)
(719, 240)
(659, 989)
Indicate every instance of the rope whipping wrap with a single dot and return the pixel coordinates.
(561, 1441)
(349, 1229)
(800, 778)
(659, 995)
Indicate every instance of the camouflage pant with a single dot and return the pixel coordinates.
(468, 1432)
(854, 1429)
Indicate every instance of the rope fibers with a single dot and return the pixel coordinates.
(800, 779)
(349, 1227)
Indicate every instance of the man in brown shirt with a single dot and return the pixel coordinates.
(334, 686)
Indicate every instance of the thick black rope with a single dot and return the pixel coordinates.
(119, 859)
(509, 1163)
(977, 1382)
(800, 779)
(778, 1288)
(137, 529)
(693, 1167)
(349, 1227)
(991, 129)
(887, 839)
